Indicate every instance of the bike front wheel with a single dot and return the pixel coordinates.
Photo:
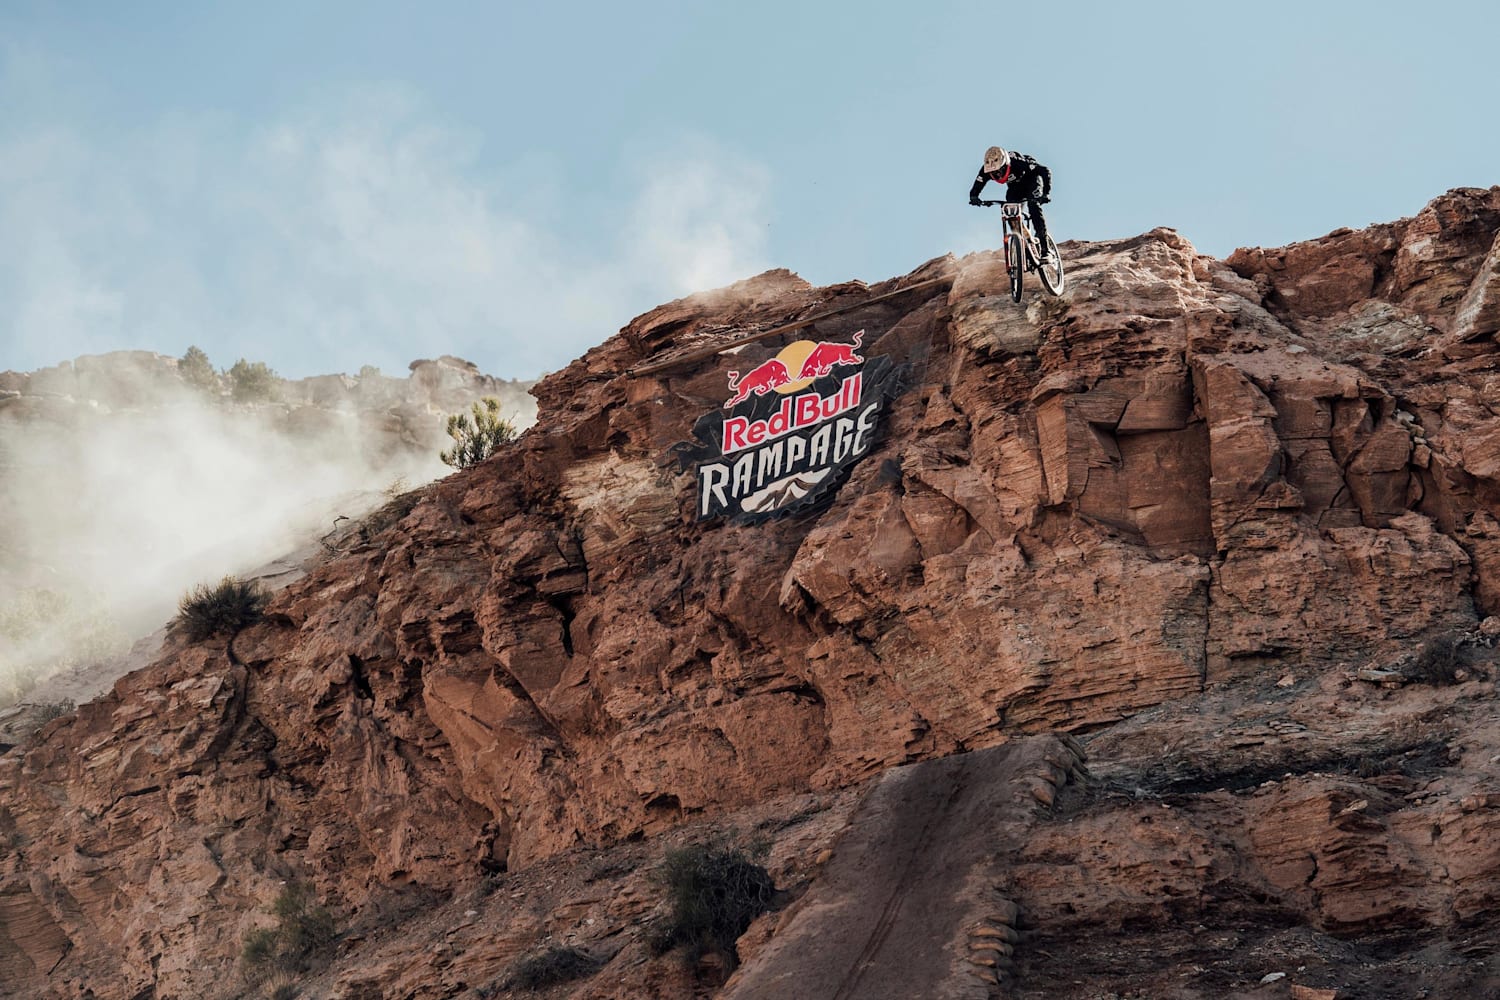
(1015, 254)
(1051, 270)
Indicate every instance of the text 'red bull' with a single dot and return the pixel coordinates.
(795, 412)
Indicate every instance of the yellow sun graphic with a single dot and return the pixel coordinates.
(793, 355)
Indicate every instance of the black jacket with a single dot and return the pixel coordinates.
(1027, 179)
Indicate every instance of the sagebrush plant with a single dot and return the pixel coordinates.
(715, 892)
(559, 964)
(476, 440)
(222, 609)
(303, 930)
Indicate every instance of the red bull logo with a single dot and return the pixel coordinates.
(807, 359)
(798, 422)
(794, 413)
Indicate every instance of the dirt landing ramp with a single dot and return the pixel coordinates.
(908, 905)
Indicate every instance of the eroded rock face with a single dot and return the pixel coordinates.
(1182, 474)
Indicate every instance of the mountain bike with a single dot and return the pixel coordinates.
(1023, 253)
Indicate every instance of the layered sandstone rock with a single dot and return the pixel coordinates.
(1184, 477)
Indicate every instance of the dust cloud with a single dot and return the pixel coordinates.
(111, 513)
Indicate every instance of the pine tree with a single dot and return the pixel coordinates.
(252, 381)
(197, 371)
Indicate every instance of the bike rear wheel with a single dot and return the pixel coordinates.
(1051, 270)
(1015, 254)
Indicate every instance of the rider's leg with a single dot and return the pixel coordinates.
(1038, 223)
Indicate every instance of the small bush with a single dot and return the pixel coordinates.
(282, 985)
(551, 967)
(261, 947)
(715, 893)
(1438, 662)
(49, 710)
(251, 382)
(303, 929)
(223, 609)
(476, 440)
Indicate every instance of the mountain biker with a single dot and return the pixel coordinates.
(1025, 180)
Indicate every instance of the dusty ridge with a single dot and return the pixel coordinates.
(910, 904)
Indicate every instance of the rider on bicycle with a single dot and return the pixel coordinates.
(1025, 180)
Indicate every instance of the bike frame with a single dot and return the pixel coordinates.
(1031, 252)
(1015, 221)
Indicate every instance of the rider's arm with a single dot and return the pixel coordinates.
(979, 183)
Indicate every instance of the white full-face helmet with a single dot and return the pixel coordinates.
(995, 160)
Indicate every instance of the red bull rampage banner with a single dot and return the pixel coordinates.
(790, 431)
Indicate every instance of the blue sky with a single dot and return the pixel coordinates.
(326, 185)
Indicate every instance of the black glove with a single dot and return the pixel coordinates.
(975, 201)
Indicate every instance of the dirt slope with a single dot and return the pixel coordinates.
(918, 864)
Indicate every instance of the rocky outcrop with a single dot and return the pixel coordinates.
(1164, 492)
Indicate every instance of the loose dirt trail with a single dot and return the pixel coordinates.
(907, 906)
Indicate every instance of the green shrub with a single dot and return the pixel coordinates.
(303, 930)
(715, 893)
(551, 967)
(476, 440)
(252, 382)
(223, 609)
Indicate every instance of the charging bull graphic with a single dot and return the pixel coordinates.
(825, 357)
(761, 379)
(815, 361)
(795, 425)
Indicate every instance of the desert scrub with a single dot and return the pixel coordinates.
(1439, 662)
(303, 930)
(715, 892)
(223, 609)
(476, 440)
(49, 710)
(560, 964)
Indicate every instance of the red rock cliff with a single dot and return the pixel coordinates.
(1183, 473)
